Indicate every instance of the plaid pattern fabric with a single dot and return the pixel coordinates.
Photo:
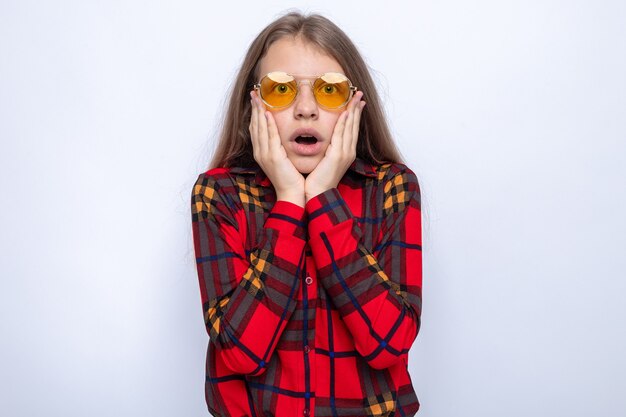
(310, 311)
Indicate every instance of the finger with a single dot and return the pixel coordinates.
(337, 137)
(354, 101)
(357, 124)
(274, 143)
(262, 126)
(347, 134)
(358, 106)
(253, 121)
(252, 114)
(353, 106)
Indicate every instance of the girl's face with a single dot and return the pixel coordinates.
(296, 57)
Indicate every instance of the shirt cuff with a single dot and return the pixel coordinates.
(326, 210)
(287, 217)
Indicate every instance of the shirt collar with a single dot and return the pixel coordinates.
(364, 168)
(359, 166)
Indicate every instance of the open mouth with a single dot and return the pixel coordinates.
(306, 140)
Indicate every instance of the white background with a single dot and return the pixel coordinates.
(511, 113)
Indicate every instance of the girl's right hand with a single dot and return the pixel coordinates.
(271, 156)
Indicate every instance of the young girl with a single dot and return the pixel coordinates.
(307, 236)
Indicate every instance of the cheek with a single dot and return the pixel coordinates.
(331, 121)
(281, 125)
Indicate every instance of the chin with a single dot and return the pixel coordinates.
(306, 166)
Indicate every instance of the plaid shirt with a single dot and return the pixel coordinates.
(310, 311)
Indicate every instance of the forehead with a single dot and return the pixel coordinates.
(297, 57)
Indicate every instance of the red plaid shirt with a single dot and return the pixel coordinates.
(310, 311)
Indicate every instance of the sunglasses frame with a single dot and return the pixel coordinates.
(351, 88)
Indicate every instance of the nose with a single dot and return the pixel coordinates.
(305, 106)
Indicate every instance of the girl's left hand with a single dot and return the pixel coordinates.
(341, 151)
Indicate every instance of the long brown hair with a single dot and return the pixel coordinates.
(375, 143)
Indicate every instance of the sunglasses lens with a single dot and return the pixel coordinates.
(278, 89)
(332, 90)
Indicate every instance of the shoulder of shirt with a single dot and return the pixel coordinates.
(382, 171)
(359, 166)
(252, 174)
(213, 182)
(215, 191)
(212, 176)
(388, 171)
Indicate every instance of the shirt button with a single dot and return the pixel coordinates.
(308, 280)
(307, 349)
(306, 412)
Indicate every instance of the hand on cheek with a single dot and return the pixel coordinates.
(271, 156)
(341, 151)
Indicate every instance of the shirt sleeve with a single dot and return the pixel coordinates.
(247, 298)
(377, 292)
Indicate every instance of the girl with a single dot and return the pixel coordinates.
(307, 234)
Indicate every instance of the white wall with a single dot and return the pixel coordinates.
(511, 113)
